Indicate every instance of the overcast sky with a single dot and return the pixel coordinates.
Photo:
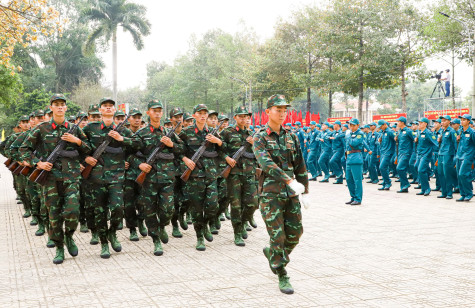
(173, 22)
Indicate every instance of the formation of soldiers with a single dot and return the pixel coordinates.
(98, 168)
(443, 149)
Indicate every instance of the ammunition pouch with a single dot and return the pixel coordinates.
(113, 150)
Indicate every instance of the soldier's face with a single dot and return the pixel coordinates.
(312, 126)
(400, 125)
(465, 122)
(176, 119)
(119, 119)
(188, 122)
(39, 120)
(155, 114)
(445, 123)
(47, 117)
(353, 127)
(436, 125)
(83, 123)
(212, 120)
(94, 117)
(135, 120)
(107, 109)
(201, 116)
(24, 125)
(59, 108)
(277, 114)
(456, 126)
(422, 125)
(225, 124)
(241, 119)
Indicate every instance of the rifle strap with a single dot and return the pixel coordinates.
(210, 154)
(249, 155)
(113, 150)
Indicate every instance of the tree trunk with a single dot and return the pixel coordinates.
(114, 65)
(360, 95)
(309, 90)
(403, 87)
(330, 92)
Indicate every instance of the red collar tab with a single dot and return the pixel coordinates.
(196, 130)
(268, 131)
(102, 125)
(237, 128)
(151, 128)
(66, 124)
(113, 126)
(53, 125)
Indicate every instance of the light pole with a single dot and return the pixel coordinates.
(248, 98)
(473, 57)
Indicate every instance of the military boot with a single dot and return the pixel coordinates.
(182, 221)
(207, 233)
(212, 227)
(121, 225)
(221, 217)
(142, 230)
(71, 245)
(84, 228)
(266, 251)
(217, 223)
(176, 232)
(105, 254)
(59, 258)
(200, 244)
(157, 250)
(50, 243)
(114, 241)
(163, 235)
(94, 239)
(244, 232)
(27, 214)
(284, 284)
(253, 223)
(247, 226)
(226, 214)
(238, 241)
(133, 235)
(188, 218)
(41, 229)
(34, 221)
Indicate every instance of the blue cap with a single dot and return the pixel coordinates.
(337, 122)
(381, 122)
(437, 120)
(466, 116)
(456, 121)
(402, 119)
(313, 123)
(354, 121)
(288, 124)
(298, 123)
(366, 126)
(372, 124)
(345, 125)
(425, 120)
(251, 127)
(331, 126)
(326, 123)
(446, 116)
(319, 126)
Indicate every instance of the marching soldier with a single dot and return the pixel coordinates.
(465, 158)
(405, 141)
(426, 141)
(354, 163)
(446, 161)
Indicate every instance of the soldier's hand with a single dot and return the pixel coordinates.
(231, 161)
(167, 141)
(91, 161)
(189, 163)
(81, 167)
(370, 152)
(214, 139)
(71, 138)
(458, 138)
(321, 140)
(439, 139)
(415, 139)
(116, 135)
(332, 138)
(44, 166)
(250, 140)
(25, 163)
(127, 165)
(145, 167)
(395, 138)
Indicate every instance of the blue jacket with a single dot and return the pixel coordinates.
(355, 143)
(426, 141)
(388, 145)
(466, 148)
(338, 144)
(326, 144)
(448, 144)
(405, 140)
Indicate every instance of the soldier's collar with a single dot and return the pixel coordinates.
(54, 125)
(103, 125)
(205, 128)
(152, 129)
(270, 131)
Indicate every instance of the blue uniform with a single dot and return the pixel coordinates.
(313, 144)
(354, 165)
(465, 157)
(326, 152)
(405, 140)
(338, 151)
(387, 149)
(426, 141)
(446, 161)
(412, 161)
(373, 157)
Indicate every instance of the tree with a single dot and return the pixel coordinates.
(107, 16)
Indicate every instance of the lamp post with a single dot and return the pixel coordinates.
(473, 57)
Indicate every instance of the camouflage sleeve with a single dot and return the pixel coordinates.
(15, 146)
(178, 145)
(28, 147)
(129, 141)
(300, 170)
(265, 160)
(85, 147)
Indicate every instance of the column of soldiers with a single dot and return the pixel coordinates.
(442, 149)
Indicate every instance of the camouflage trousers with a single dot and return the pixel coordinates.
(202, 193)
(82, 202)
(62, 203)
(107, 197)
(157, 200)
(21, 191)
(242, 193)
(88, 198)
(133, 210)
(180, 204)
(223, 199)
(283, 220)
(44, 210)
(33, 190)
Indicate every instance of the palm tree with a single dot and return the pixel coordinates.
(107, 16)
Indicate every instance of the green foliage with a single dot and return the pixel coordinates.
(10, 87)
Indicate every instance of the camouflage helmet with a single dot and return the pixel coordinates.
(81, 114)
(166, 121)
(175, 111)
(222, 117)
(200, 107)
(24, 118)
(39, 113)
(154, 104)
(48, 110)
(57, 97)
(210, 112)
(71, 119)
(277, 100)
(105, 100)
(93, 109)
(242, 110)
(187, 116)
(119, 113)
(135, 111)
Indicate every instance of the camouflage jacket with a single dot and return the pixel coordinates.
(233, 138)
(134, 161)
(46, 136)
(5, 150)
(193, 138)
(110, 167)
(164, 169)
(280, 157)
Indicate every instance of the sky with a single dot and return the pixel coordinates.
(173, 23)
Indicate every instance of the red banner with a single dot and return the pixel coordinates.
(435, 114)
(389, 117)
(343, 120)
(122, 108)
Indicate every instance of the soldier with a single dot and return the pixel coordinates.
(62, 183)
(437, 130)
(107, 177)
(242, 185)
(465, 157)
(446, 161)
(388, 144)
(157, 195)
(279, 155)
(373, 157)
(187, 119)
(201, 189)
(133, 210)
(82, 190)
(412, 161)
(167, 123)
(405, 141)
(354, 164)
(338, 150)
(119, 117)
(426, 141)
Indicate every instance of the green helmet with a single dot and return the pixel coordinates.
(187, 116)
(57, 97)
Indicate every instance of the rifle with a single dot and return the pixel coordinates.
(100, 149)
(8, 162)
(17, 170)
(39, 175)
(13, 166)
(236, 157)
(154, 155)
(186, 175)
(26, 169)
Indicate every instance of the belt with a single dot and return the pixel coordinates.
(353, 151)
(208, 154)
(113, 150)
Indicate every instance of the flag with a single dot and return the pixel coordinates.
(299, 117)
(307, 118)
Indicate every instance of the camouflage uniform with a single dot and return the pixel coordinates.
(201, 188)
(280, 157)
(242, 185)
(107, 178)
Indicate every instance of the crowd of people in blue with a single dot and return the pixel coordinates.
(382, 153)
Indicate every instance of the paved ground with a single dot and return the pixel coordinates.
(393, 251)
